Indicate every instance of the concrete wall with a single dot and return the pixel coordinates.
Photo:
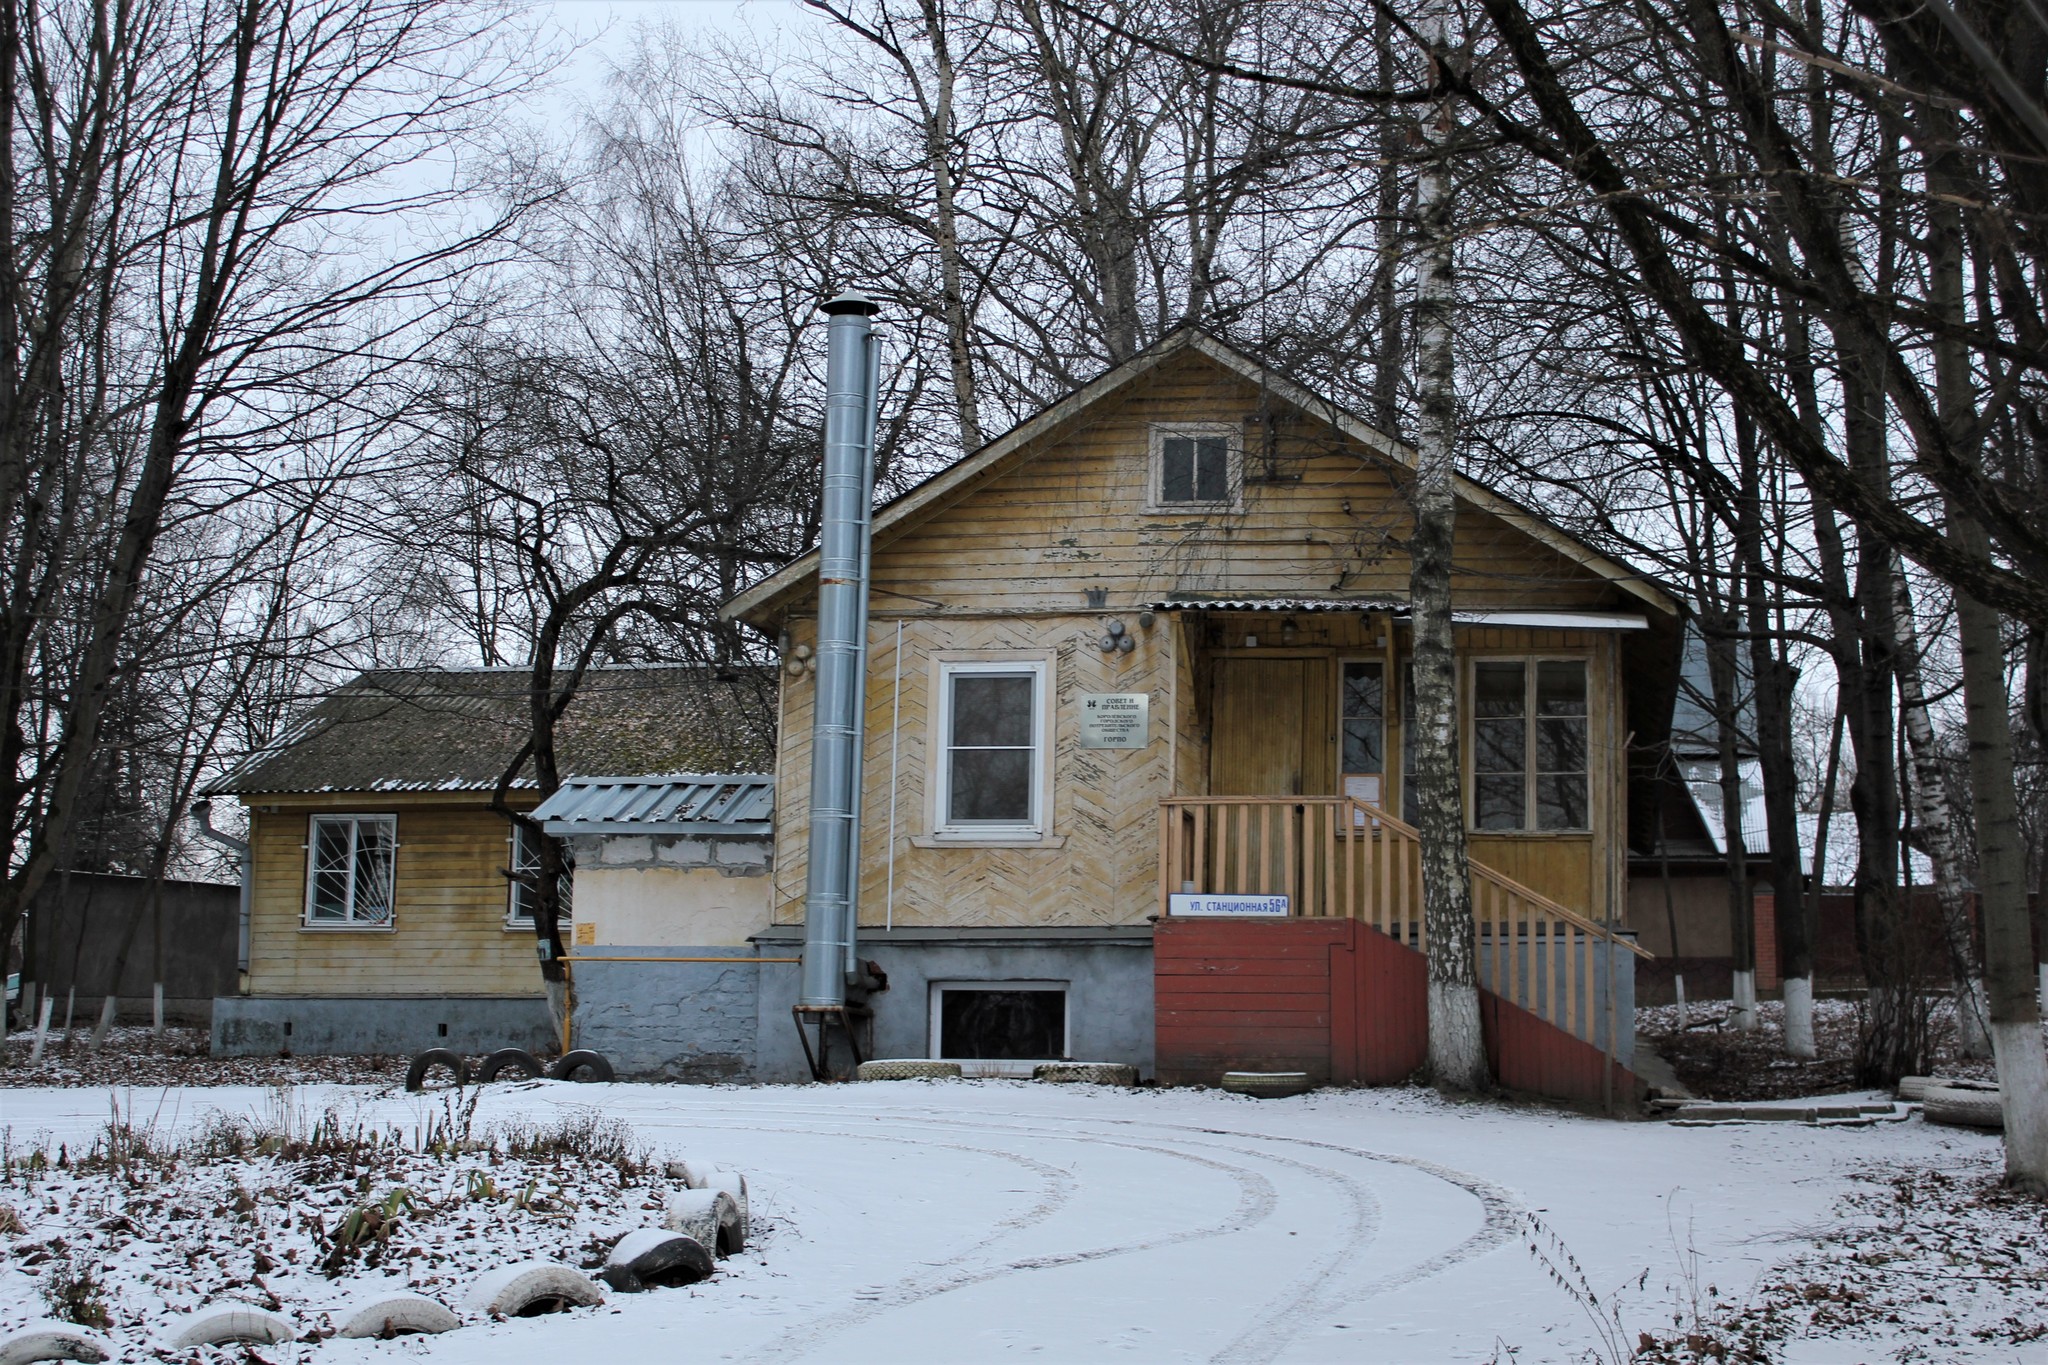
(254, 1026)
(673, 1021)
(1108, 971)
(78, 920)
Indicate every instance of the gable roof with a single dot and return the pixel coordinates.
(437, 729)
(931, 496)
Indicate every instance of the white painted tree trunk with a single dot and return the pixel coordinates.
(1457, 1050)
(1932, 813)
(1742, 1017)
(1799, 1042)
(2023, 1090)
(99, 1030)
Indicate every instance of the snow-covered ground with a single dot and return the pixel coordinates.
(966, 1221)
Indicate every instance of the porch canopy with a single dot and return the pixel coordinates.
(1381, 606)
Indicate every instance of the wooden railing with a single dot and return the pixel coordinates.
(1337, 857)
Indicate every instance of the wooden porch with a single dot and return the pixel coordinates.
(1336, 858)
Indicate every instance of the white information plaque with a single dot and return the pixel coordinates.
(1115, 720)
(1226, 907)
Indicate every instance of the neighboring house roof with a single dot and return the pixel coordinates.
(1693, 727)
(1838, 867)
(687, 803)
(931, 496)
(437, 729)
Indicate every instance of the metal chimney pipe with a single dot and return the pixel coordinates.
(841, 656)
(873, 382)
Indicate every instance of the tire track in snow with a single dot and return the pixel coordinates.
(1282, 1321)
(1256, 1202)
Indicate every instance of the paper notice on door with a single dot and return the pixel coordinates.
(1362, 787)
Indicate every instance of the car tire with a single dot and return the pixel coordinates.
(422, 1065)
(1971, 1108)
(384, 1316)
(516, 1058)
(231, 1324)
(582, 1059)
(531, 1289)
(52, 1340)
(654, 1258)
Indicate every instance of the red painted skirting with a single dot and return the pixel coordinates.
(1339, 1000)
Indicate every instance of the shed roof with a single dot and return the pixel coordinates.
(441, 729)
(686, 803)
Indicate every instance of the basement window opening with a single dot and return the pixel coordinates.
(999, 1021)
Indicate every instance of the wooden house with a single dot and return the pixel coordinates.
(385, 910)
(1150, 647)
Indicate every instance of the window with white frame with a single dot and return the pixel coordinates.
(1195, 468)
(525, 869)
(352, 860)
(991, 770)
(1530, 745)
(1362, 703)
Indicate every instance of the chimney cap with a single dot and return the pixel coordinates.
(851, 301)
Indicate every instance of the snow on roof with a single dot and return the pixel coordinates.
(1838, 868)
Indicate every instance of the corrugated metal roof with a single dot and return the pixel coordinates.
(456, 729)
(682, 803)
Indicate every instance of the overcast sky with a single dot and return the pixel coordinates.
(604, 30)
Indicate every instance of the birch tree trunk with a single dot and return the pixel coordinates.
(1931, 810)
(1457, 1050)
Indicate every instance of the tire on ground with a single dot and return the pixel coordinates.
(416, 1074)
(710, 1216)
(908, 1069)
(48, 1339)
(654, 1258)
(513, 1058)
(1913, 1089)
(1086, 1073)
(734, 1184)
(582, 1059)
(231, 1323)
(1267, 1084)
(384, 1316)
(1966, 1108)
(530, 1289)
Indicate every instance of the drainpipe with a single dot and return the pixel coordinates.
(841, 656)
(202, 818)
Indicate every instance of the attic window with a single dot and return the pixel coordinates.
(1195, 468)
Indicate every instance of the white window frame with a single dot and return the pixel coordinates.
(1155, 466)
(355, 820)
(1038, 827)
(1469, 704)
(514, 842)
(935, 1044)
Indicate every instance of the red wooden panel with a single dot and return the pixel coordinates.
(1261, 1002)
(1531, 1054)
(1229, 983)
(1311, 968)
(1392, 1011)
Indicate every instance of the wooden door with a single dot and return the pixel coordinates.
(1269, 736)
(1262, 730)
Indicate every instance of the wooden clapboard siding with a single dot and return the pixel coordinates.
(1103, 868)
(448, 935)
(1069, 513)
(1006, 563)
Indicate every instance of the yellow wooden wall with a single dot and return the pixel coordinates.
(448, 935)
(1103, 867)
(1068, 514)
(1008, 563)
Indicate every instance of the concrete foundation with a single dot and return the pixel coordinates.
(1108, 974)
(257, 1026)
(673, 1021)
